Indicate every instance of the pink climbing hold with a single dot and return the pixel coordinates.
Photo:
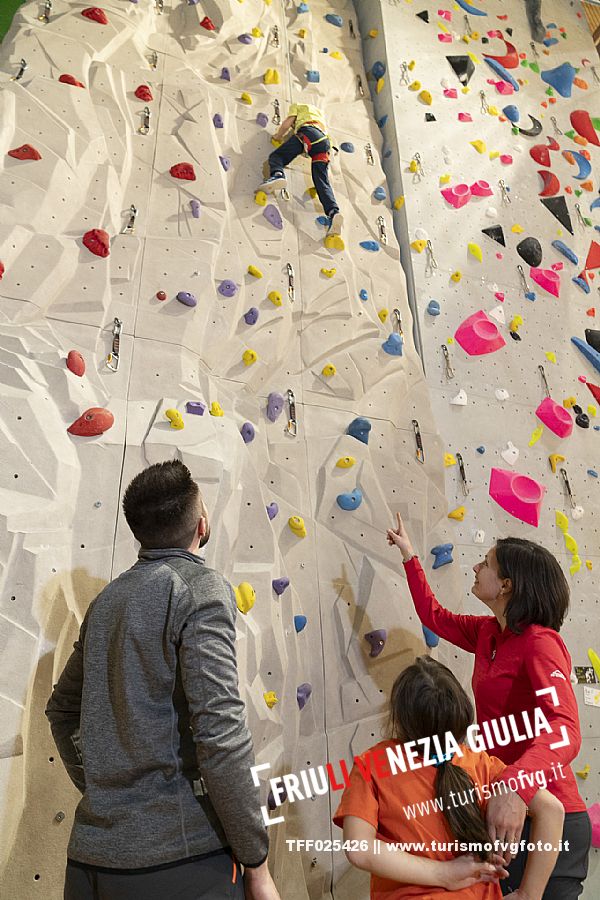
(478, 335)
(506, 159)
(555, 417)
(465, 117)
(594, 814)
(481, 189)
(519, 495)
(143, 92)
(458, 195)
(25, 151)
(95, 14)
(92, 422)
(70, 79)
(547, 279)
(76, 363)
(97, 242)
(185, 171)
(504, 88)
(450, 93)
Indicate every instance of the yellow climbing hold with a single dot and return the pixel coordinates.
(275, 298)
(583, 773)
(256, 32)
(474, 58)
(249, 357)
(270, 698)
(383, 314)
(334, 242)
(246, 98)
(373, 33)
(328, 273)
(479, 146)
(515, 323)
(415, 86)
(554, 459)
(494, 154)
(328, 370)
(475, 35)
(426, 98)
(569, 402)
(252, 270)
(536, 435)
(271, 76)
(302, 33)
(458, 514)
(312, 192)
(398, 202)
(297, 525)
(571, 544)
(260, 198)
(561, 520)
(456, 276)
(335, 54)
(517, 229)
(444, 179)
(551, 356)
(413, 166)
(592, 411)
(216, 409)
(245, 597)
(450, 340)
(345, 462)
(379, 85)
(475, 250)
(175, 418)
(442, 27)
(493, 110)
(575, 565)
(449, 459)
(466, 39)
(419, 246)
(595, 661)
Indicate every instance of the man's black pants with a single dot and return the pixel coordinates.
(214, 876)
(570, 871)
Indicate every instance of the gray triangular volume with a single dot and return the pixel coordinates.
(559, 209)
(423, 15)
(463, 67)
(496, 233)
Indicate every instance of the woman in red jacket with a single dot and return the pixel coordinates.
(521, 664)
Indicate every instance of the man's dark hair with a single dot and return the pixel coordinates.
(540, 591)
(161, 506)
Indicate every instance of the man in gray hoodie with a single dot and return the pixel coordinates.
(149, 723)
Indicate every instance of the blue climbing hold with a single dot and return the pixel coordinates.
(592, 472)
(387, 154)
(582, 283)
(251, 317)
(431, 638)
(359, 429)
(379, 193)
(561, 78)
(433, 308)
(350, 500)
(382, 120)
(512, 113)
(299, 623)
(469, 8)
(313, 76)
(378, 70)
(566, 251)
(323, 220)
(499, 69)
(347, 147)
(443, 555)
(363, 294)
(595, 204)
(481, 449)
(393, 345)
(530, 295)
(549, 42)
(334, 20)
(377, 640)
(373, 246)
(590, 354)
(303, 8)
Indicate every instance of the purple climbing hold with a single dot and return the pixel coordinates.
(272, 510)
(274, 406)
(225, 162)
(225, 74)
(227, 288)
(218, 120)
(247, 432)
(262, 119)
(251, 317)
(279, 585)
(186, 298)
(195, 408)
(377, 641)
(273, 216)
(303, 693)
(272, 803)
(245, 38)
(195, 207)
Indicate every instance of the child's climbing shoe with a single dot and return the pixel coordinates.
(336, 220)
(274, 183)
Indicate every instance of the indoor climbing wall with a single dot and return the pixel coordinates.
(154, 305)
(491, 145)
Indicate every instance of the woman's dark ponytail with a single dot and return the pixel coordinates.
(465, 820)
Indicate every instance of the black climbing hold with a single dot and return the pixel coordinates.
(496, 233)
(583, 420)
(515, 335)
(536, 127)
(530, 250)
(559, 209)
(423, 15)
(429, 117)
(593, 338)
(485, 40)
(463, 67)
(509, 31)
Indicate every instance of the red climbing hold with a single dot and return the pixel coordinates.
(207, 23)
(97, 242)
(95, 14)
(144, 93)
(593, 257)
(541, 154)
(183, 170)
(595, 391)
(582, 123)
(553, 144)
(25, 152)
(70, 79)
(551, 183)
(93, 421)
(161, 295)
(2, 270)
(75, 363)
(510, 59)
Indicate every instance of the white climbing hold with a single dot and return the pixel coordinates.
(491, 212)
(421, 234)
(577, 512)
(479, 536)
(501, 394)
(510, 454)
(497, 313)
(460, 399)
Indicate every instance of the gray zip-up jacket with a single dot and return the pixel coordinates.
(148, 704)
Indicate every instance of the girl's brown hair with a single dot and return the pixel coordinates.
(427, 700)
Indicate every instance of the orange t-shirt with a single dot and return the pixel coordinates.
(382, 802)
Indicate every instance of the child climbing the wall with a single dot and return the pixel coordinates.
(436, 803)
(310, 135)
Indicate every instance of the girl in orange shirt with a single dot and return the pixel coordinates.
(435, 804)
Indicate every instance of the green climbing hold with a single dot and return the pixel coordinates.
(534, 67)
(596, 123)
(570, 134)
(578, 193)
(515, 129)
(524, 63)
